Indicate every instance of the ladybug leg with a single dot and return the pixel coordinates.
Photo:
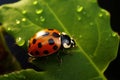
(31, 59)
(59, 57)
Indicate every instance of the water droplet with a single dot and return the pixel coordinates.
(114, 34)
(79, 18)
(100, 14)
(9, 29)
(24, 12)
(91, 23)
(23, 19)
(42, 19)
(20, 41)
(39, 11)
(35, 2)
(80, 36)
(79, 8)
(17, 21)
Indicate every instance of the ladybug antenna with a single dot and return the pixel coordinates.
(72, 42)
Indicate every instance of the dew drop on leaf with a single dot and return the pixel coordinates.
(35, 2)
(100, 14)
(20, 41)
(79, 8)
(39, 11)
(17, 21)
(24, 12)
(79, 18)
(42, 19)
(23, 19)
(114, 34)
(80, 36)
(9, 28)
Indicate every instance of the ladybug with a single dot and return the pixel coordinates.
(49, 41)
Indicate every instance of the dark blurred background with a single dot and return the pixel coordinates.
(113, 6)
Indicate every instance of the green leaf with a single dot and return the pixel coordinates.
(23, 75)
(85, 21)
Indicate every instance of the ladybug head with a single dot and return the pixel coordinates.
(67, 42)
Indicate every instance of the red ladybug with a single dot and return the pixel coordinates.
(49, 41)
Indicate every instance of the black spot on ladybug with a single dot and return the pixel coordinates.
(46, 34)
(34, 41)
(51, 41)
(45, 52)
(39, 45)
(55, 47)
(55, 34)
(51, 29)
(36, 52)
